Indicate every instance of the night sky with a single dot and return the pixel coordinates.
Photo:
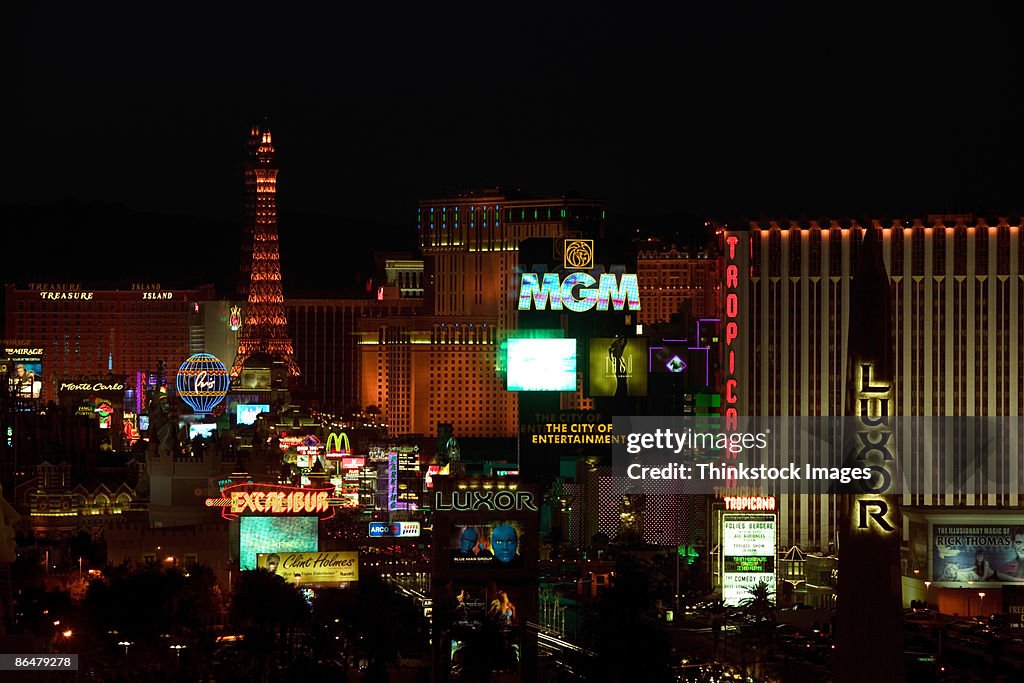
(129, 122)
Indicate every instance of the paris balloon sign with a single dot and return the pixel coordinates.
(202, 382)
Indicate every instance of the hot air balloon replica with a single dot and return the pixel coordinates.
(203, 382)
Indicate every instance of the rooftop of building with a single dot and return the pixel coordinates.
(946, 221)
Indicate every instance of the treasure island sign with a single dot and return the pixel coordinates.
(273, 499)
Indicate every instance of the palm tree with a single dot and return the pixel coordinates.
(269, 611)
(760, 606)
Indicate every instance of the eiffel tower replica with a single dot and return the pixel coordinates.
(265, 327)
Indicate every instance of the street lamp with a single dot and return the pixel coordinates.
(927, 594)
(125, 643)
(177, 653)
(982, 596)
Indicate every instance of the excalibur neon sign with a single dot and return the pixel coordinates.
(272, 499)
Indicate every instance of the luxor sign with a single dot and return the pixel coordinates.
(471, 500)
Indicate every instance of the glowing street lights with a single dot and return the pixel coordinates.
(982, 597)
(126, 643)
(177, 653)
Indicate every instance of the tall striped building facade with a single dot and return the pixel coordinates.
(958, 322)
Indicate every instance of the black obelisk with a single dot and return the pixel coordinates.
(869, 615)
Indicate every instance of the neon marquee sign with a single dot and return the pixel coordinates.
(549, 291)
(273, 499)
(484, 500)
(334, 445)
(747, 503)
(732, 331)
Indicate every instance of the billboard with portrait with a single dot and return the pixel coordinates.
(494, 544)
(618, 366)
(27, 379)
(977, 553)
(275, 535)
(321, 568)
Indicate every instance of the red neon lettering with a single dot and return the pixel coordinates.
(732, 362)
(732, 241)
(732, 305)
(732, 276)
(731, 419)
(732, 331)
(730, 386)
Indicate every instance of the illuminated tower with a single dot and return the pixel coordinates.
(869, 615)
(265, 329)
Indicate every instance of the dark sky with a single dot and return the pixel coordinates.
(714, 110)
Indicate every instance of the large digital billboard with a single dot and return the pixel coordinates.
(27, 379)
(204, 430)
(246, 414)
(493, 544)
(541, 364)
(324, 568)
(275, 535)
(978, 553)
(618, 366)
(748, 554)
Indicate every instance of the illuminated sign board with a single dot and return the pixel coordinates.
(272, 499)
(246, 413)
(338, 445)
(23, 352)
(202, 382)
(349, 463)
(578, 254)
(275, 535)
(541, 365)
(152, 296)
(305, 568)
(467, 501)
(92, 386)
(748, 554)
(394, 529)
(985, 553)
(732, 332)
(753, 503)
(618, 366)
(548, 291)
(55, 296)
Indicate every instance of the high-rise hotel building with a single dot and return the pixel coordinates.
(676, 281)
(88, 332)
(957, 321)
(441, 366)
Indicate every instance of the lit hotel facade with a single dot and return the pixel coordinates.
(957, 322)
(89, 332)
(442, 366)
